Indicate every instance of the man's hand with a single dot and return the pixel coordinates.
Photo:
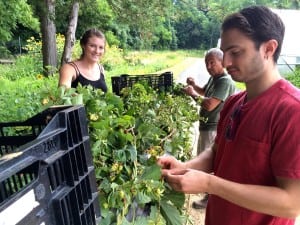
(190, 81)
(189, 90)
(169, 163)
(187, 180)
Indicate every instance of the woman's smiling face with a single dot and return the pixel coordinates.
(94, 49)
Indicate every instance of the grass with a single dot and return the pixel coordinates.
(26, 70)
(150, 62)
(144, 62)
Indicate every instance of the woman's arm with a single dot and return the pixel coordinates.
(67, 74)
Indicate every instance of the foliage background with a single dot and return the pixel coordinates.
(126, 134)
(134, 24)
(120, 135)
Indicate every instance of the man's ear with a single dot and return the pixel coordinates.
(270, 48)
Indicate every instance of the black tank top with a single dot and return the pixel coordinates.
(97, 84)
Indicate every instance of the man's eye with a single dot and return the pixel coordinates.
(235, 53)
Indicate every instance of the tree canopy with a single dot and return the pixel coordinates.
(131, 24)
(134, 23)
(15, 12)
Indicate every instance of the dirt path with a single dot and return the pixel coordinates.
(197, 216)
(191, 66)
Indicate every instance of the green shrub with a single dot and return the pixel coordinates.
(5, 53)
(127, 134)
(22, 98)
(295, 78)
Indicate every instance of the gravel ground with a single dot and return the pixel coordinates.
(196, 215)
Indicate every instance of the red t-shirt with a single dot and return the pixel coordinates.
(256, 144)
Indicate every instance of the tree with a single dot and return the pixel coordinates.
(11, 16)
(12, 13)
(287, 4)
(70, 34)
(45, 10)
(191, 25)
(137, 24)
(142, 18)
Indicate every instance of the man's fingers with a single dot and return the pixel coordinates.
(178, 172)
(173, 174)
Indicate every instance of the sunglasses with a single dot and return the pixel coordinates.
(233, 124)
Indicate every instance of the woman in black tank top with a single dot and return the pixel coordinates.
(86, 70)
(80, 79)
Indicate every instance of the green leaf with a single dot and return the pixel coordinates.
(103, 124)
(125, 222)
(106, 220)
(170, 213)
(142, 198)
(177, 198)
(151, 173)
(105, 185)
(133, 153)
(77, 99)
(125, 121)
(114, 186)
(67, 101)
(141, 220)
(168, 146)
(70, 91)
(61, 91)
(120, 155)
(156, 216)
(107, 217)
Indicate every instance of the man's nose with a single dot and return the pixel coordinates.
(226, 61)
(208, 65)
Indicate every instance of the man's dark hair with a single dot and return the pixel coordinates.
(259, 24)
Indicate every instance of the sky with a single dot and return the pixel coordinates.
(291, 42)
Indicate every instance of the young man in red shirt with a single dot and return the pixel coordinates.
(255, 159)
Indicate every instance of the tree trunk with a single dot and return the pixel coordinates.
(48, 29)
(70, 34)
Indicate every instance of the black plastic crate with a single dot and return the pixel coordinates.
(160, 82)
(46, 170)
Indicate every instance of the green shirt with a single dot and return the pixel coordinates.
(220, 87)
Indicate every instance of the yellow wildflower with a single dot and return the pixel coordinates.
(39, 76)
(45, 101)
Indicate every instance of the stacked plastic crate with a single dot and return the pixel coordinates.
(46, 170)
(159, 82)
